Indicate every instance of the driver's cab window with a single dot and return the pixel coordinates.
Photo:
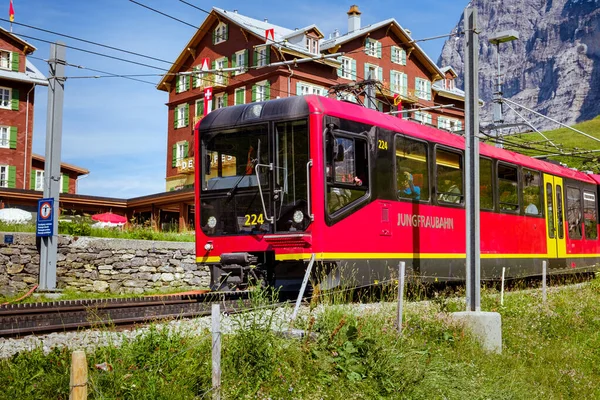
(412, 177)
(347, 170)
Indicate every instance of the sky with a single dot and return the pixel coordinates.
(117, 128)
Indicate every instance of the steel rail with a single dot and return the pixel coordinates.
(30, 318)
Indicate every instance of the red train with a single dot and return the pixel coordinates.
(283, 180)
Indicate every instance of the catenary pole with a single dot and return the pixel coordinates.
(473, 264)
(49, 244)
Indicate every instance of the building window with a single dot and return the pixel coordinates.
(449, 84)
(220, 100)
(4, 137)
(181, 116)
(346, 97)
(423, 117)
(240, 96)
(373, 48)
(347, 69)
(39, 180)
(373, 72)
(261, 91)
(240, 60)
(303, 89)
(220, 34)
(423, 88)
(3, 175)
(398, 55)
(5, 96)
(221, 77)
(182, 83)
(398, 82)
(199, 77)
(449, 124)
(312, 45)
(261, 56)
(180, 151)
(5, 59)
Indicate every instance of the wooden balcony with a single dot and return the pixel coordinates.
(409, 97)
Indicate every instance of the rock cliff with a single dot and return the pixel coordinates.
(554, 67)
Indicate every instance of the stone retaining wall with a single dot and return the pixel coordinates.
(90, 264)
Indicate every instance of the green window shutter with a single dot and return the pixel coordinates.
(354, 69)
(404, 84)
(440, 122)
(225, 100)
(13, 137)
(394, 52)
(186, 147)
(367, 41)
(339, 70)
(12, 176)
(378, 47)
(213, 65)
(246, 59)
(233, 58)
(268, 54)
(32, 180)
(298, 89)
(214, 36)
(459, 125)
(392, 84)
(175, 114)
(65, 183)
(267, 90)
(403, 55)
(200, 107)
(15, 100)
(226, 32)
(15, 61)
(194, 77)
(255, 58)
(177, 84)
(186, 115)
(188, 82)
(239, 97)
(366, 76)
(428, 88)
(174, 156)
(379, 74)
(253, 93)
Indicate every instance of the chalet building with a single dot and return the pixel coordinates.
(407, 77)
(19, 168)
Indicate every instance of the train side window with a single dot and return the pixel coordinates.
(531, 192)
(486, 192)
(449, 176)
(574, 212)
(550, 210)
(508, 182)
(347, 171)
(412, 177)
(590, 216)
(559, 212)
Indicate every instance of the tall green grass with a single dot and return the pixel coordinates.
(550, 352)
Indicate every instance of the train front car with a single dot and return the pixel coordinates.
(253, 196)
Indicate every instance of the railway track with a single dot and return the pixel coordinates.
(30, 318)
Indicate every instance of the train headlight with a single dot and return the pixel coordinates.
(212, 222)
(298, 216)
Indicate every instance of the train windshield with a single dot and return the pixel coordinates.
(254, 179)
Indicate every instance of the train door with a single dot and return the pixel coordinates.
(555, 221)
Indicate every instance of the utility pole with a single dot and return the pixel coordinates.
(473, 264)
(370, 93)
(56, 82)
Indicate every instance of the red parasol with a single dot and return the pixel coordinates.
(110, 217)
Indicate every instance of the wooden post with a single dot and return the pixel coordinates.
(216, 352)
(79, 374)
(544, 282)
(502, 287)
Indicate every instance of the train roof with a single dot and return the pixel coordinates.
(368, 116)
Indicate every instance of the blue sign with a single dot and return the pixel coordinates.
(45, 218)
(8, 239)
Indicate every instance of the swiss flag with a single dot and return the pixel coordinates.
(270, 32)
(208, 92)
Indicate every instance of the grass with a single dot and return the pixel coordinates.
(550, 352)
(565, 139)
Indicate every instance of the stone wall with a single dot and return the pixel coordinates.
(102, 265)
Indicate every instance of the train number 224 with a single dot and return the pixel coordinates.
(253, 219)
(382, 144)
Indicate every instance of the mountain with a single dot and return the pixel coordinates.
(554, 66)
